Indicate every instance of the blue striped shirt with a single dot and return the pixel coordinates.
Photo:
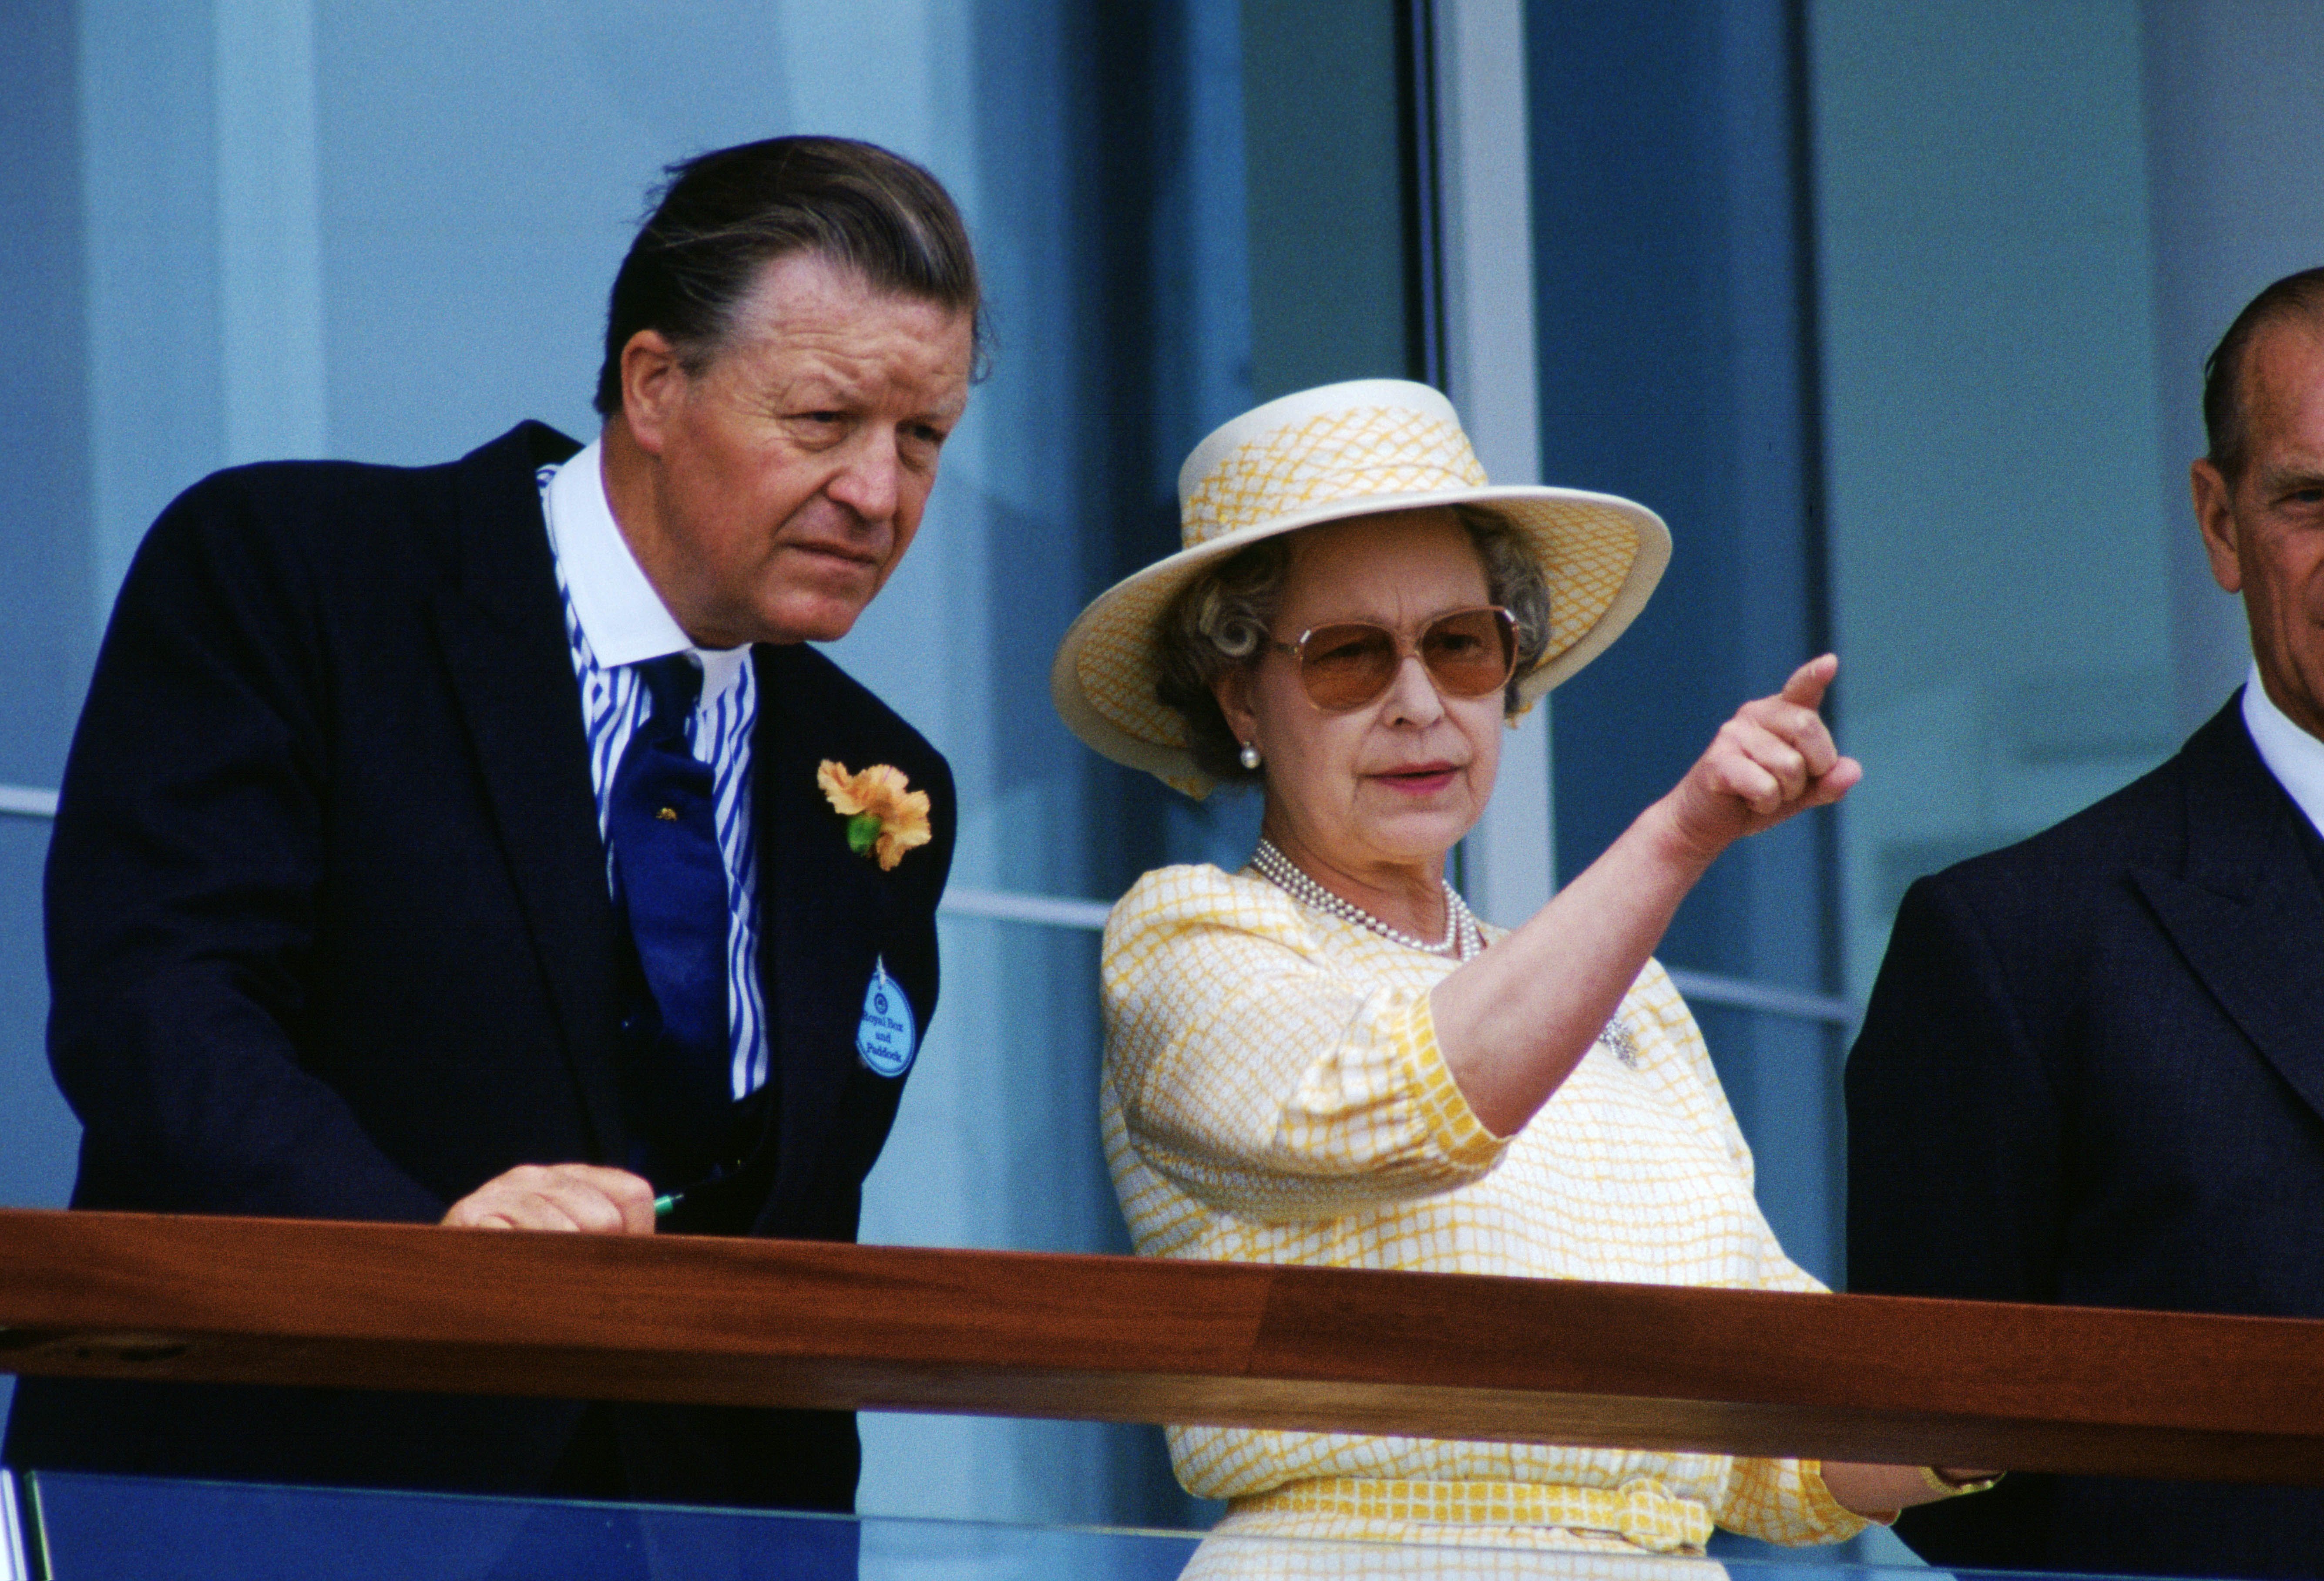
(628, 623)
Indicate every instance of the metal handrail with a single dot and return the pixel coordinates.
(1702, 987)
(26, 801)
(1067, 912)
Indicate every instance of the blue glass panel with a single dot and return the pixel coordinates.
(106, 1527)
(109, 1526)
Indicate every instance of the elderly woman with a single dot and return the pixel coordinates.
(1325, 1058)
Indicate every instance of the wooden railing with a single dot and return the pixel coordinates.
(1014, 1334)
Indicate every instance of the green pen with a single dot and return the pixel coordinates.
(663, 1204)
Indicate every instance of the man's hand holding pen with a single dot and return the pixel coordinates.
(591, 1199)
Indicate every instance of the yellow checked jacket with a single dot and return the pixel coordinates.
(1274, 1093)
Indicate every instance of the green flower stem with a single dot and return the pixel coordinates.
(862, 832)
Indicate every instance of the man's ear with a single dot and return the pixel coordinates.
(2215, 515)
(653, 380)
(1232, 690)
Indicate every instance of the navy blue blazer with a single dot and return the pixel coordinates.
(2092, 1073)
(329, 936)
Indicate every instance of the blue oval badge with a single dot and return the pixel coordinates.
(887, 1038)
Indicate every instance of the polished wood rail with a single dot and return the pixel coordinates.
(1114, 1338)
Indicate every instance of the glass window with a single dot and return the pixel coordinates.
(250, 229)
(266, 228)
(2032, 229)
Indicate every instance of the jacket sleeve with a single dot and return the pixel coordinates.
(1953, 1126)
(1263, 1082)
(1955, 1149)
(182, 888)
(1784, 1502)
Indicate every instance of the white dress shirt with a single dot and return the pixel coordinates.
(615, 620)
(2293, 756)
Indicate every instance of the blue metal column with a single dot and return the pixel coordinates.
(1674, 318)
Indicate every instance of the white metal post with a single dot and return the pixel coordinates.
(1487, 227)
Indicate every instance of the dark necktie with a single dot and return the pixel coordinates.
(662, 821)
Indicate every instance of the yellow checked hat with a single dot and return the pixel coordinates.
(1342, 450)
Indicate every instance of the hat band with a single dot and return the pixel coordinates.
(1341, 457)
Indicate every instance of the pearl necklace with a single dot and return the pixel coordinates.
(1461, 939)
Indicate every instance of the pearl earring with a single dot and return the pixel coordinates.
(1249, 756)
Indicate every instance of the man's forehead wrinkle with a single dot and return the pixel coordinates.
(830, 370)
(812, 370)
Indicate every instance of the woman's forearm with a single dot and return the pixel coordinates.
(1514, 1022)
(1881, 1491)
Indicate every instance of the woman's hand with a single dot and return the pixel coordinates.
(1773, 759)
(1515, 1021)
(1880, 1492)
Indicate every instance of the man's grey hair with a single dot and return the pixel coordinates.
(725, 217)
(1224, 619)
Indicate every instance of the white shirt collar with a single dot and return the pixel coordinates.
(2293, 756)
(625, 619)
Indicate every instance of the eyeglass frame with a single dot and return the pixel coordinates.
(1404, 650)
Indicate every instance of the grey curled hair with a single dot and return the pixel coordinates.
(1221, 620)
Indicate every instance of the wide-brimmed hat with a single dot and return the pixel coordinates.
(1323, 455)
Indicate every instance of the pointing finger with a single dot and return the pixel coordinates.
(1807, 684)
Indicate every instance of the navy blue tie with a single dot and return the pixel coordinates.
(663, 822)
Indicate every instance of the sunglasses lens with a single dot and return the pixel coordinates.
(1346, 666)
(1470, 653)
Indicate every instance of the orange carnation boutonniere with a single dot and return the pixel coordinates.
(883, 818)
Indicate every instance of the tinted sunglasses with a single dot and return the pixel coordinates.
(1467, 653)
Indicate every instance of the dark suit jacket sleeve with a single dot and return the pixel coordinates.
(1954, 1144)
(1953, 1124)
(182, 890)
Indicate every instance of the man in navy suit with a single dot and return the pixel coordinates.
(459, 844)
(2093, 1070)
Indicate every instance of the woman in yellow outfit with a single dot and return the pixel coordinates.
(1324, 1058)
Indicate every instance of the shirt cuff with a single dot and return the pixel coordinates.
(1832, 1521)
(1464, 1138)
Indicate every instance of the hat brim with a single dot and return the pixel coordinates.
(1601, 556)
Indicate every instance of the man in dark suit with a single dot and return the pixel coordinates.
(2092, 1071)
(481, 844)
